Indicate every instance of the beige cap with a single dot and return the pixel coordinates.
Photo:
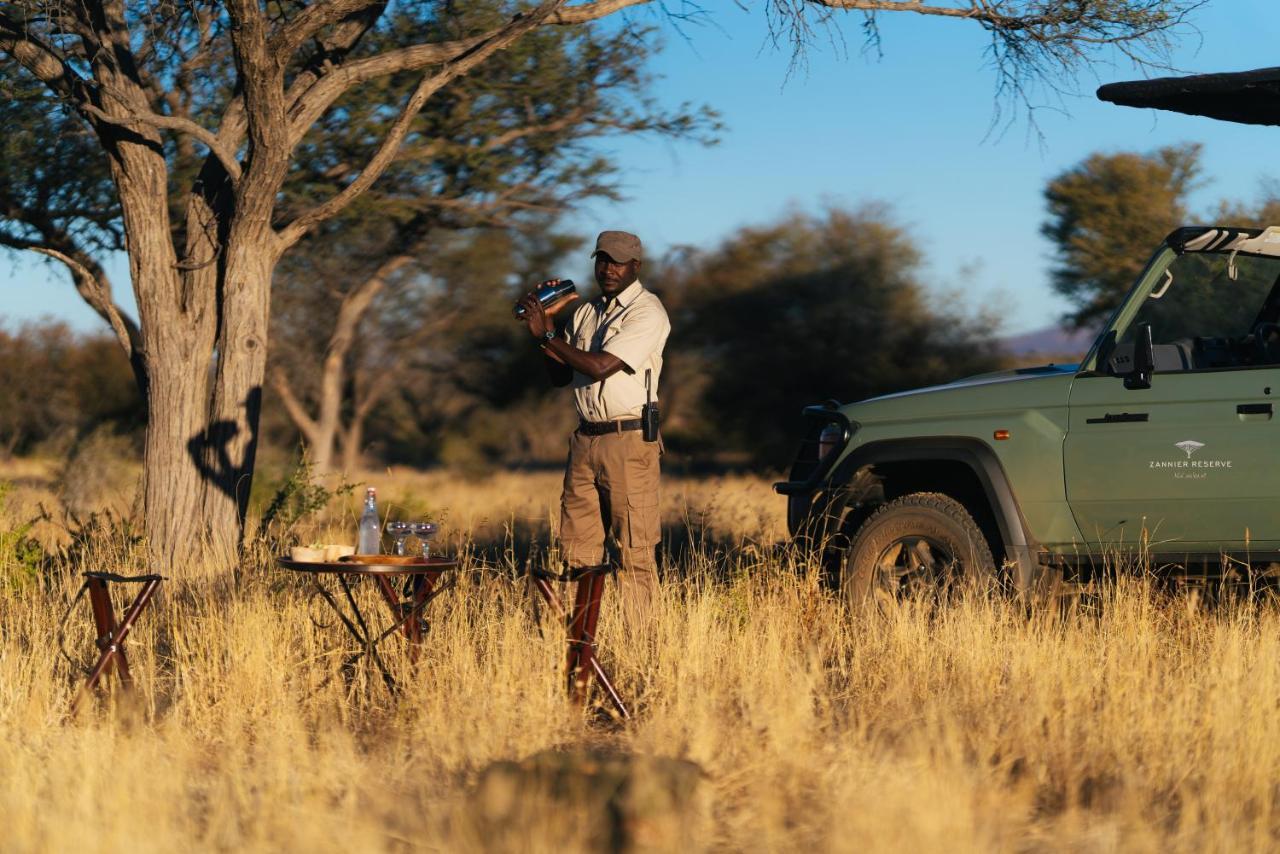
(621, 246)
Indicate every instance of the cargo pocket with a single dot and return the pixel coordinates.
(644, 528)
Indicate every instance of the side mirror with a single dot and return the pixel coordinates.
(1144, 360)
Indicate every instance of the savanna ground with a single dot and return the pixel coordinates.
(1146, 723)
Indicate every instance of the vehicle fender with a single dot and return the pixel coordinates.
(985, 465)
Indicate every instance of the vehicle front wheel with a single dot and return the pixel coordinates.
(920, 545)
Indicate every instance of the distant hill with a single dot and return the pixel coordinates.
(1052, 343)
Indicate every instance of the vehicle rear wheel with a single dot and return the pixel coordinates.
(922, 545)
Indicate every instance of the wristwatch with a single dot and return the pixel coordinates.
(547, 338)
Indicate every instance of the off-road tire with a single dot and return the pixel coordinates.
(942, 524)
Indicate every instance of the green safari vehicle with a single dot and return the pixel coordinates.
(1163, 442)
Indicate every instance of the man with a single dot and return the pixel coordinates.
(610, 349)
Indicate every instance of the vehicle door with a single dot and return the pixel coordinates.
(1192, 462)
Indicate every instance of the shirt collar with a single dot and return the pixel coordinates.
(624, 299)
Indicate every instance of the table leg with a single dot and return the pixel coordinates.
(422, 587)
(408, 618)
(363, 636)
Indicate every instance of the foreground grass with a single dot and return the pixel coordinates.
(1146, 726)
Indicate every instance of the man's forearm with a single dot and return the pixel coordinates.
(598, 366)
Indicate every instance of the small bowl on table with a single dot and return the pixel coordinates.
(307, 554)
(334, 552)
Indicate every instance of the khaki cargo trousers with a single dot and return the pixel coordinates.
(611, 489)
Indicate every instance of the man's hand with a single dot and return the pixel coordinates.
(534, 314)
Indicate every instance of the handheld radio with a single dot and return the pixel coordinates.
(649, 414)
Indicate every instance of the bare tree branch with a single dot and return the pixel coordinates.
(372, 394)
(307, 108)
(1065, 22)
(137, 118)
(916, 6)
(98, 295)
(357, 301)
(586, 12)
(313, 19)
(43, 61)
(431, 84)
(293, 406)
(332, 51)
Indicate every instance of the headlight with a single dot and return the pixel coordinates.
(831, 437)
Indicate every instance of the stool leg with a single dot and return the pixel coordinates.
(115, 643)
(104, 618)
(587, 634)
(577, 622)
(553, 602)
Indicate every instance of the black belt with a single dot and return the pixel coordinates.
(604, 428)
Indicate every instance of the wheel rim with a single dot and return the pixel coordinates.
(914, 566)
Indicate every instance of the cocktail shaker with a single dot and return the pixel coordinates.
(549, 295)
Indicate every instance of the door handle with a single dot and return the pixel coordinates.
(1119, 418)
(1251, 411)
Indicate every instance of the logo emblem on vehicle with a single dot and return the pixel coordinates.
(1189, 447)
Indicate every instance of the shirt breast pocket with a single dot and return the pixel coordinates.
(602, 337)
(613, 330)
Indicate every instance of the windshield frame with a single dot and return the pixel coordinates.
(1263, 243)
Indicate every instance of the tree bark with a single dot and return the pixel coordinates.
(228, 447)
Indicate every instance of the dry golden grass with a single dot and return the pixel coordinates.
(1148, 725)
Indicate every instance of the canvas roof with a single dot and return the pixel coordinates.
(1248, 97)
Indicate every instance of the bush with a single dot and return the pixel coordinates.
(56, 385)
(799, 311)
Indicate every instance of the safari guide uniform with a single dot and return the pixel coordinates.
(611, 481)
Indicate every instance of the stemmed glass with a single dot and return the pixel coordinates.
(424, 531)
(400, 532)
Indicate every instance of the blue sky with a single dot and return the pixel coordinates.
(908, 128)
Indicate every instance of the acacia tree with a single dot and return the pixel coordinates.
(202, 106)
(1107, 214)
(510, 148)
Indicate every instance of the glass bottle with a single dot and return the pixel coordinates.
(370, 538)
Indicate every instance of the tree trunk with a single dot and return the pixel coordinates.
(177, 339)
(351, 445)
(326, 433)
(173, 494)
(177, 335)
(230, 442)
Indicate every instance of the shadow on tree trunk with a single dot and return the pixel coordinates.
(211, 453)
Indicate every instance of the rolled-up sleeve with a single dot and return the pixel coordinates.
(641, 334)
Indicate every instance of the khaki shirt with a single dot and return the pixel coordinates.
(632, 326)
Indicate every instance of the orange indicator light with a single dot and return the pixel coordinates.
(1001, 435)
